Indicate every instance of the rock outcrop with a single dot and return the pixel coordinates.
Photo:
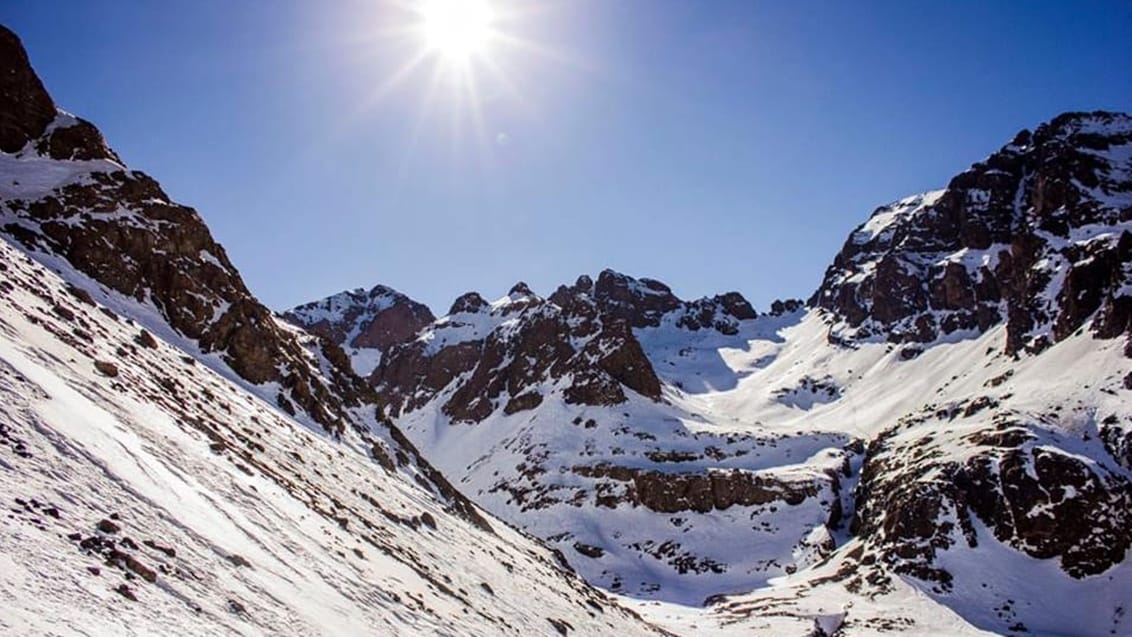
(1014, 477)
(26, 109)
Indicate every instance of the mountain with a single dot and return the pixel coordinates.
(175, 459)
(1034, 237)
(943, 429)
(365, 323)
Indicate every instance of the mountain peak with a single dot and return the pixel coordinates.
(1035, 236)
(365, 323)
(470, 302)
(28, 114)
(520, 289)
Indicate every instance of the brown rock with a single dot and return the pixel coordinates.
(25, 107)
(106, 526)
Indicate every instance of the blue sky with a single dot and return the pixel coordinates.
(713, 145)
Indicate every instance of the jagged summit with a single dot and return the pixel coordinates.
(583, 331)
(28, 114)
(1037, 236)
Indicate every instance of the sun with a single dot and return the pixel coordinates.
(456, 29)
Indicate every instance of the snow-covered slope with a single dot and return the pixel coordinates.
(940, 444)
(988, 487)
(548, 413)
(145, 493)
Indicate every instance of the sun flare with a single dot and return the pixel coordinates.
(457, 29)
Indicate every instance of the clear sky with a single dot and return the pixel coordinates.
(713, 145)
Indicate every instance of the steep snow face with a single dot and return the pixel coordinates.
(1038, 236)
(364, 323)
(146, 493)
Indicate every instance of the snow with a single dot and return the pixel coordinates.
(797, 604)
(30, 176)
(893, 214)
(996, 585)
(98, 446)
(464, 327)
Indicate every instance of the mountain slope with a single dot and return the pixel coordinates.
(65, 193)
(174, 459)
(148, 494)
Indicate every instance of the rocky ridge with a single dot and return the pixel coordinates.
(581, 336)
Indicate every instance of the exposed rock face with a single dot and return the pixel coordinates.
(500, 355)
(704, 492)
(641, 302)
(470, 303)
(1038, 236)
(119, 228)
(25, 107)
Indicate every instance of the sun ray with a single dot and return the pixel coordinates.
(423, 116)
(402, 73)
